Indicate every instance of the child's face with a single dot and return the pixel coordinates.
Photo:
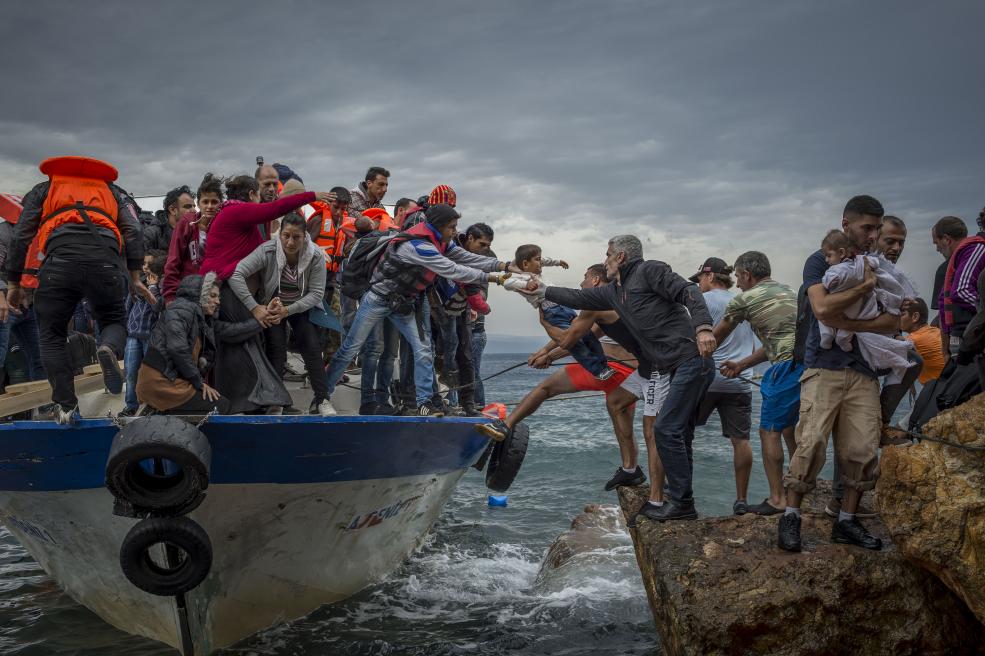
(533, 265)
(835, 256)
(147, 260)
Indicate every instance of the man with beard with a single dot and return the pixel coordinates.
(269, 181)
(370, 192)
(838, 390)
(177, 203)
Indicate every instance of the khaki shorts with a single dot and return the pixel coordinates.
(846, 403)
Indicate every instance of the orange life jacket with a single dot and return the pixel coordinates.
(10, 211)
(79, 193)
(331, 238)
(379, 216)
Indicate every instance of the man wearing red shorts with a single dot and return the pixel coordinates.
(619, 400)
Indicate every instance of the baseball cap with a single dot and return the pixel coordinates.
(712, 265)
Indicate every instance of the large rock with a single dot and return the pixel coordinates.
(721, 586)
(932, 498)
(599, 526)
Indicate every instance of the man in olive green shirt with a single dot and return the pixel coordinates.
(771, 309)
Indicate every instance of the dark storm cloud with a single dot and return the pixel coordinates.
(702, 126)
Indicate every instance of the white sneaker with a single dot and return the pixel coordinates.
(67, 417)
(325, 409)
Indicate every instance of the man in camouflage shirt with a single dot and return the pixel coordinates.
(771, 309)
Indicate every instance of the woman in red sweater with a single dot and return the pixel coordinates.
(243, 374)
(187, 249)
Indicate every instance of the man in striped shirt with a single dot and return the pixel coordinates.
(959, 294)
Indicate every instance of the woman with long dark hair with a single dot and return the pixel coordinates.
(243, 373)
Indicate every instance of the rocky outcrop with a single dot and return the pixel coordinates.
(721, 586)
(600, 526)
(932, 498)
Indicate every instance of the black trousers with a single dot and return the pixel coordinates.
(309, 343)
(463, 358)
(63, 284)
(199, 406)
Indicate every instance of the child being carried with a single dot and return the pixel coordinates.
(588, 351)
(847, 270)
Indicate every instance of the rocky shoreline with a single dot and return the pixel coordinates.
(720, 585)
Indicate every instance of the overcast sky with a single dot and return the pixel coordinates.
(704, 128)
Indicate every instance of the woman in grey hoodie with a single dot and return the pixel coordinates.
(291, 272)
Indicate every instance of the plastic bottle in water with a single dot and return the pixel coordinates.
(498, 500)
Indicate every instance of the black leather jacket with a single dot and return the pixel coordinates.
(181, 324)
(661, 309)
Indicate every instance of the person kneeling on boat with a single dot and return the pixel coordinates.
(292, 269)
(182, 349)
(410, 264)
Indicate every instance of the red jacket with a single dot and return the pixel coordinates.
(185, 255)
(235, 232)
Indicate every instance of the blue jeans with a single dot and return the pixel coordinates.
(25, 328)
(674, 428)
(372, 311)
(388, 360)
(588, 350)
(369, 356)
(478, 346)
(133, 356)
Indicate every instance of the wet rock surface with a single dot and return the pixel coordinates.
(720, 585)
(600, 526)
(932, 499)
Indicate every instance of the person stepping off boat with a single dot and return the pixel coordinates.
(409, 264)
(88, 230)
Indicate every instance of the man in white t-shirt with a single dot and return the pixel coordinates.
(731, 397)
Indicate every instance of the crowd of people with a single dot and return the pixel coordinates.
(205, 300)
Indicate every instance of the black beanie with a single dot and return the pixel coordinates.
(441, 215)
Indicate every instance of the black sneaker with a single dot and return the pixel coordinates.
(385, 409)
(765, 508)
(671, 510)
(606, 374)
(428, 410)
(497, 430)
(470, 411)
(622, 477)
(368, 408)
(789, 532)
(128, 412)
(740, 507)
(112, 376)
(851, 531)
(449, 378)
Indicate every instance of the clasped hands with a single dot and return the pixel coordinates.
(270, 314)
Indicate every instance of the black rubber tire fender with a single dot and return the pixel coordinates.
(507, 458)
(168, 438)
(144, 572)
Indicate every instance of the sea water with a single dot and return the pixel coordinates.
(476, 586)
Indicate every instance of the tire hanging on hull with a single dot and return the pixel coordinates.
(159, 465)
(506, 459)
(179, 575)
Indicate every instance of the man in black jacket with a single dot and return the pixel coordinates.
(668, 317)
(177, 203)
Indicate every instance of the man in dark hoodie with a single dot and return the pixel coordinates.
(177, 203)
(667, 316)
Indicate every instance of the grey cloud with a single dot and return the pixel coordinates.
(700, 125)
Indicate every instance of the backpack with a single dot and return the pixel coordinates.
(957, 384)
(357, 270)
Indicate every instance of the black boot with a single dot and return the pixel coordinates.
(789, 534)
(671, 510)
(851, 531)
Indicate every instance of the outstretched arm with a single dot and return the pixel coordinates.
(595, 298)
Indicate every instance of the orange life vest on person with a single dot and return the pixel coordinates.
(79, 192)
(330, 238)
(10, 211)
(379, 216)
